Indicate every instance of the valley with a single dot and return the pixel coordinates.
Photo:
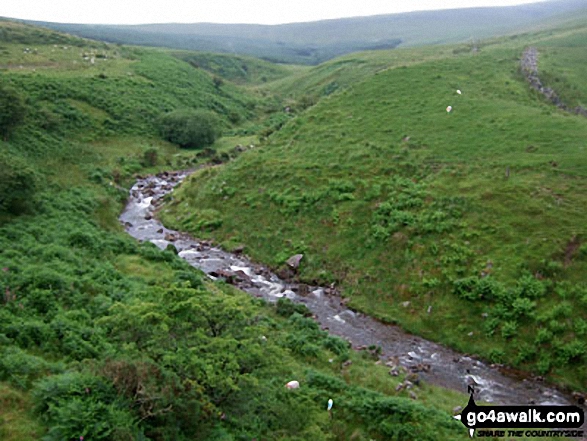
(440, 249)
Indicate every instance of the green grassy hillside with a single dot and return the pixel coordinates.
(107, 339)
(466, 227)
(238, 69)
(343, 72)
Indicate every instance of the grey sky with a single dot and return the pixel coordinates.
(220, 11)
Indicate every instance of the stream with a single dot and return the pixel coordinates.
(431, 362)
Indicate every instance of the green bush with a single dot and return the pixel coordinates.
(28, 333)
(20, 368)
(300, 345)
(466, 288)
(77, 404)
(18, 182)
(12, 110)
(150, 157)
(474, 288)
(337, 345)
(523, 307)
(192, 278)
(530, 287)
(400, 419)
(509, 329)
(285, 308)
(190, 128)
(572, 352)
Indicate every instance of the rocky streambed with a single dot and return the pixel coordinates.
(399, 350)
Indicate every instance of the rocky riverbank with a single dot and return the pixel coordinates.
(400, 351)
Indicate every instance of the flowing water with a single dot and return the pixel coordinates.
(433, 363)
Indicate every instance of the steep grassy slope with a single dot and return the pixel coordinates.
(343, 72)
(315, 42)
(108, 339)
(466, 227)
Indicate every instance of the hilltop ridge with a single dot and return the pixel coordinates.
(315, 42)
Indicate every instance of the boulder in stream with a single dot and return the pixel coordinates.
(294, 261)
(302, 289)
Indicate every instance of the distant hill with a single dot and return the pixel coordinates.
(315, 42)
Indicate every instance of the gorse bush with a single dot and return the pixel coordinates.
(190, 128)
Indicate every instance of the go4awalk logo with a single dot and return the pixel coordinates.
(516, 420)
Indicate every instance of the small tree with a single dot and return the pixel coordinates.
(12, 110)
(190, 128)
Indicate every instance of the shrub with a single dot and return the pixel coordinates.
(84, 239)
(509, 329)
(544, 364)
(573, 352)
(150, 156)
(19, 368)
(12, 110)
(18, 182)
(496, 356)
(580, 327)
(190, 277)
(28, 333)
(401, 419)
(489, 289)
(150, 252)
(466, 288)
(190, 128)
(473, 288)
(530, 287)
(321, 381)
(336, 345)
(300, 345)
(286, 308)
(543, 336)
(523, 307)
(75, 404)
(526, 352)
(305, 324)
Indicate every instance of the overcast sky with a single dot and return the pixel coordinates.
(220, 11)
